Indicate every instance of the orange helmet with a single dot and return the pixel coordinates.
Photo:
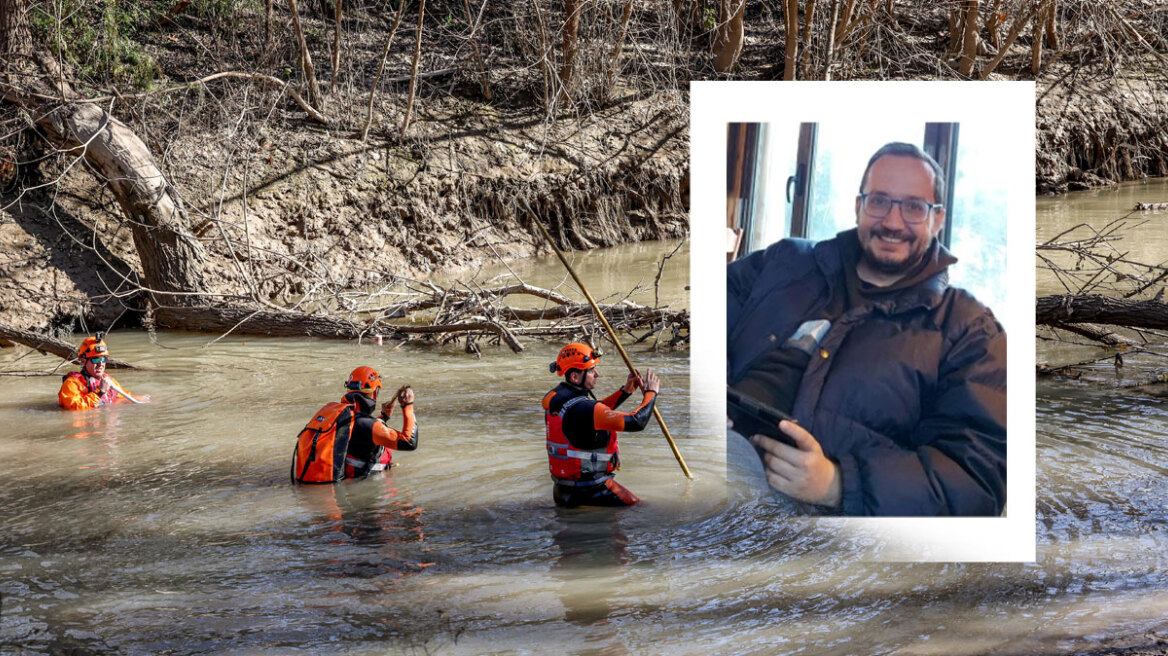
(574, 356)
(365, 380)
(93, 347)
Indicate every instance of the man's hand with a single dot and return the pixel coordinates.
(632, 383)
(105, 385)
(650, 382)
(405, 397)
(801, 472)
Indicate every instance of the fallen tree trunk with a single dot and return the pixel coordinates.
(171, 256)
(1092, 308)
(49, 345)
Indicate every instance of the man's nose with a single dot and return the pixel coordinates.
(896, 210)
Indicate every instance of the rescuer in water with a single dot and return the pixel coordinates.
(582, 432)
(91, 387)
(372, 442)
(344, 440)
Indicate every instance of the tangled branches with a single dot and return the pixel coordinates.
(1112, 298)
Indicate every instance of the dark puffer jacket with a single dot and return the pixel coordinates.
(907, 395)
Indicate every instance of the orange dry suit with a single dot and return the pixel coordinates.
(582, 440)
(371, 440)
(80, 391)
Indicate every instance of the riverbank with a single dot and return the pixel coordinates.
(278, 209)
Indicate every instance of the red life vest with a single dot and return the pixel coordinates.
(568, 464)
(319, 456)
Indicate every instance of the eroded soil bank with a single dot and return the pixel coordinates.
(1100, 130)
(280, 210)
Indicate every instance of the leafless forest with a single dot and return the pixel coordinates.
(222, 165)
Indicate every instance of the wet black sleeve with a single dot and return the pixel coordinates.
(637, 421)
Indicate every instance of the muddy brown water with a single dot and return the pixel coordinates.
(171, 528)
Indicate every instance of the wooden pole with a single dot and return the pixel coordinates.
(611, 334)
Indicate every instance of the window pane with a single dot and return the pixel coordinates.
(841, 153)
(979, 215)
(778, 160)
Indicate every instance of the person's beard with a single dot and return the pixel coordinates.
(916, 251)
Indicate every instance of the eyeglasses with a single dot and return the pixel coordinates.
(97, 360)
(912, 210)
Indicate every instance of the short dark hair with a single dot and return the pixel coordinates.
(901, 149)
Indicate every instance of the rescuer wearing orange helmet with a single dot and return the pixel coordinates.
(371, 440)
(91, 387)
(582, 432)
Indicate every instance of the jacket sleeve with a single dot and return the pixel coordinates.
(958, 463)
(605, 418)
(73, 395)
(404, 440)
(616, 398)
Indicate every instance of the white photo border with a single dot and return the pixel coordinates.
(1010, 107)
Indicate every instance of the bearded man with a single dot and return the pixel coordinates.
(895, 381)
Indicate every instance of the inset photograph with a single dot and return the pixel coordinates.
(866, 296)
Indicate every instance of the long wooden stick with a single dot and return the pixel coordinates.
(121, 392)
(611, 335)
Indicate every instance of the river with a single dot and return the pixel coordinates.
(171, 527)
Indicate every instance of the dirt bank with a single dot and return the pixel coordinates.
(281, 209)
(286, 206)
(1094, 131)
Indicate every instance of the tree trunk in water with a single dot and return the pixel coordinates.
(969, 49)
(1094, 309)
(172, 258)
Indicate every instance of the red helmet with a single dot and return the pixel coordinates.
(574, 356)
(93, 347)
(365, 380)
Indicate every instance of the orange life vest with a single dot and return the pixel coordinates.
(76, 397)
(320, 448)
(568, 464)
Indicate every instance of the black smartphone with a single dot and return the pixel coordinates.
(753, 417)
